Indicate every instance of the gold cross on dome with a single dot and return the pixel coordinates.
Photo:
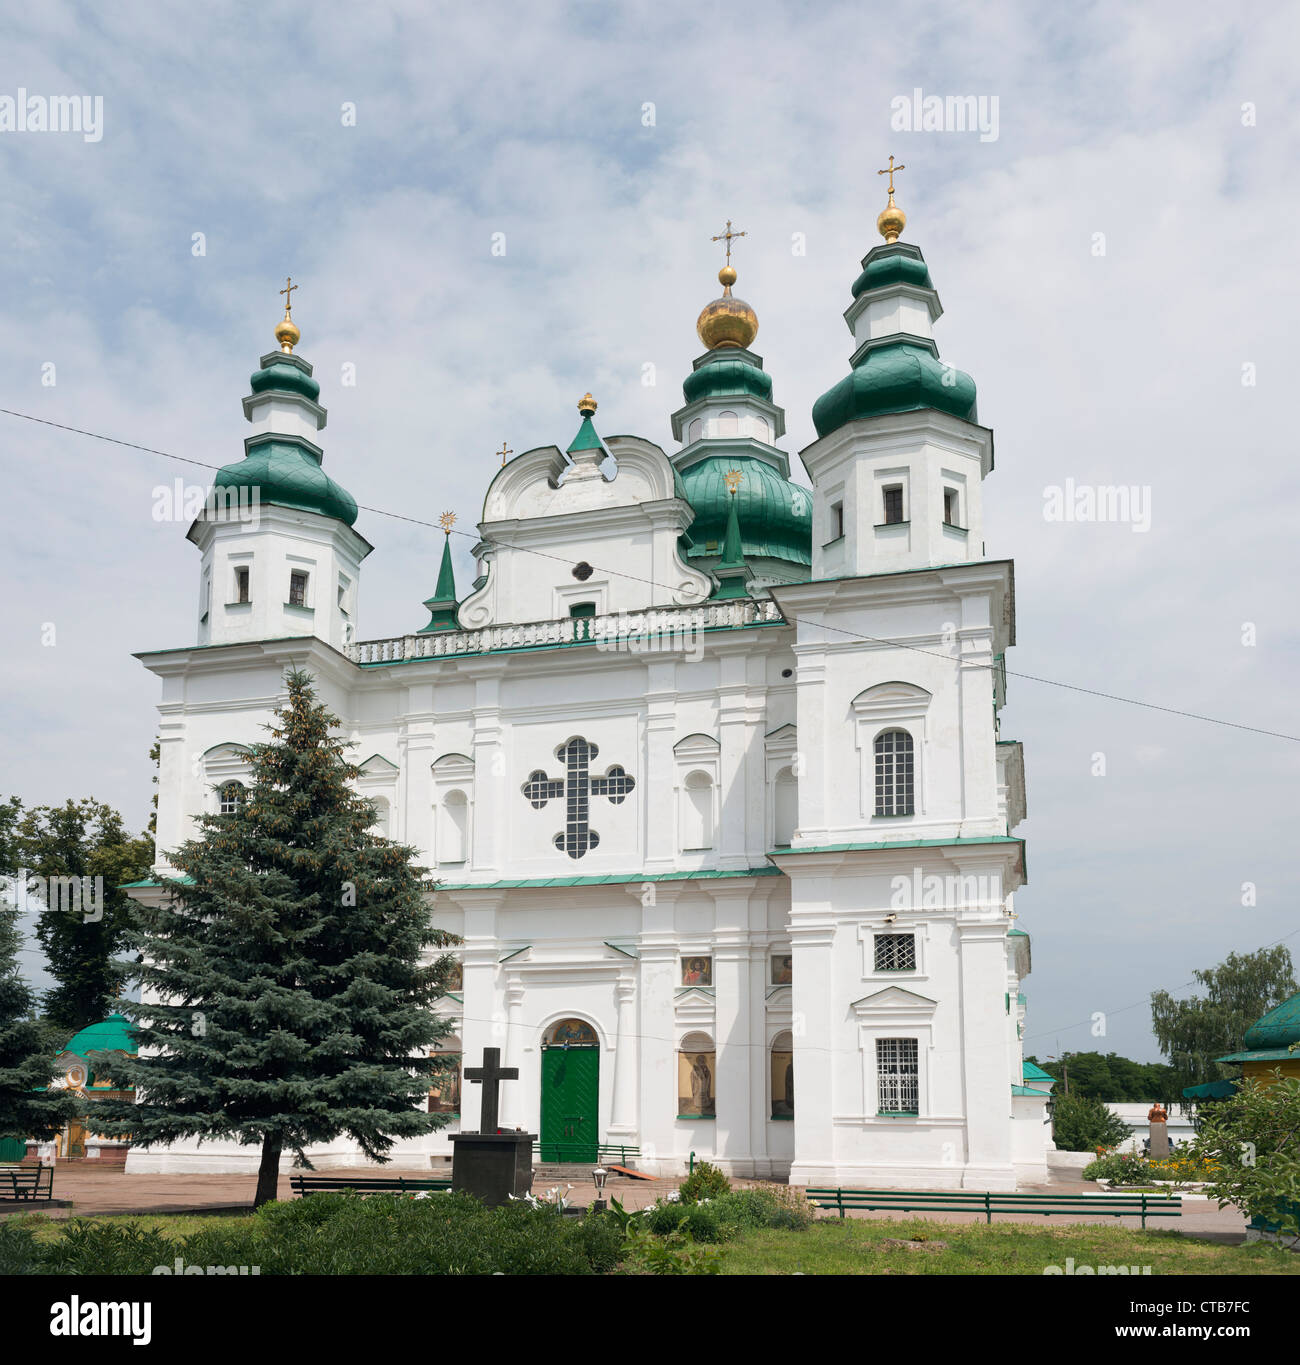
(504, 451)
(287, 291)
(889, 171)
(726, 237)
(447, 521)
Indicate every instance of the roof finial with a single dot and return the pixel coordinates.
(504, 451)
(727, 270)
(586, 405)
(286, 332)
(892, 219)
(728, 321)
(447, 521)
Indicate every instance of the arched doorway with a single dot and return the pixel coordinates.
(570, 1128)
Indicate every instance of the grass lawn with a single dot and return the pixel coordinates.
(852, 1247)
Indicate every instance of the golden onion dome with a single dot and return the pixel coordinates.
(728, 321)
(892, 220)
(287, 333)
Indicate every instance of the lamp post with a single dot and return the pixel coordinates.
(598, 1178)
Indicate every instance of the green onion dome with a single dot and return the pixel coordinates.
(899, 376)
(775, 515)
(899, 264)
(114, 1034)
(286, 471)
(728, 376)
(286, 377)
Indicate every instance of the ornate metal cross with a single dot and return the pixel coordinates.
(504, 451)
(489, 1076)
(577, 787)
(726, 237)
(287, 291)
(889, 171)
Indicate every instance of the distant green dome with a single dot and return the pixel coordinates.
(285, 377)
(900, 376)
(895, 268)
(775, 515)
(1279, 1028)
(114, 1034)
(727, 378)
(289, 475)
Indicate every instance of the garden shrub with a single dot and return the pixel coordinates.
(704, 1182)
(18, 1250)
(1080, 1124)
(88, 1247)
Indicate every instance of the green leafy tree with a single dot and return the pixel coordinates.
(1110, 1077)
(1080, 1124)
(27, 1050)
(289, 995)
(81, 844)
(1254, 1139)
(1193, 1032)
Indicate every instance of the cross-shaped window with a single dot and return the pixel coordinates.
(577, 787)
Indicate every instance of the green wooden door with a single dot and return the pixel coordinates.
(570, 1095)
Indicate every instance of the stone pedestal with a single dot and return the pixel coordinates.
(492, 1166)
(1159, 1144)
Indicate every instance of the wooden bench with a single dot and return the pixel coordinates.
(363, 1184)
(26, 1182)
(1143, 1206)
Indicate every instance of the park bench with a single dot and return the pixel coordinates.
(1143, 1206)
(319, 1184)
(584, 1153)
(27, 1182)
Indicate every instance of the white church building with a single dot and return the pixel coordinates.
(707, 763)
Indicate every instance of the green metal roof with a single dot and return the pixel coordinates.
(1030, 1072)
(1029, 1091)
(284, 376)
(1279, 1028)
(114, 1034)
(609, 879)
(1212, 1090)
(1267, 1054)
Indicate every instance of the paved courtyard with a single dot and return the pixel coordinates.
(93, 1189)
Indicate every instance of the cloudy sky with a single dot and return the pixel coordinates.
(1117, 264)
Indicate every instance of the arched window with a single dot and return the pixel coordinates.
(763, 430)
(694, 431)
(895, 773)
(785, 807)
(783, 1076)
(453, 828)
(697, 812)
(444, 1089)
(697, 1066)
(231, 797)
(728, 424)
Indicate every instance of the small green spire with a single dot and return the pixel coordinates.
(442, 605)
(586, 439)
(732, 573)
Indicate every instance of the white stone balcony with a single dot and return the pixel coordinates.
(655, 629)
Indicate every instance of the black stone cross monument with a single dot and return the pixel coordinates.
(492, 1164)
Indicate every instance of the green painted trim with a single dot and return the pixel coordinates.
(627, 952)
(900, 843)
(705, 1118)
(780, 1118)
(609, 879)
(897, 1114)
(516, 953)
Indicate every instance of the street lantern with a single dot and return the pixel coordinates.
(598, 1178)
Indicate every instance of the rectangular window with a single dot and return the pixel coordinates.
(893, 505)
(241, 584)
(898, 1073)
(895, 952)
(344, 585)
(837, 520)
(297, 589)
(950, 514)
